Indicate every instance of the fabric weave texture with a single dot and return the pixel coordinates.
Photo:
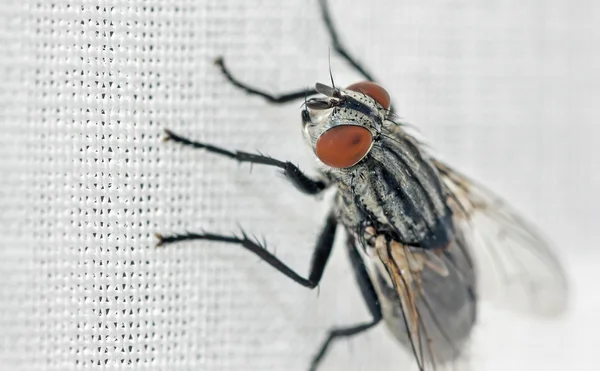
(505, 90)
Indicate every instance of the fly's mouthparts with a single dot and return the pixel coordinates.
(319, 104)
(328, 91)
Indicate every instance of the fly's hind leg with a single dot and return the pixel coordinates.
(303, 93)
(319, 258)
(370, 297)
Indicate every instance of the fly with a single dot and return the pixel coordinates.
(420, 235)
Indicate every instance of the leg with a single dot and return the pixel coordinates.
(272, 98)
(319, 258)
(370, 297)
(291, 171)
(337, 45)
(288, 97)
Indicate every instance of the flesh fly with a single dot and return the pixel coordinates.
(420, 234)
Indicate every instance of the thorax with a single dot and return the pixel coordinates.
(397, 190)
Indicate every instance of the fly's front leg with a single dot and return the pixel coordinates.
(302, 181)
(272, 98)
(319, 258)
(337, 45)
(295, 95)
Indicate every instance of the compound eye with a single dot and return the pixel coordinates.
(374, 91)
(343, 146)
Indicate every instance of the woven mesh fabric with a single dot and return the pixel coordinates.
(507, 90)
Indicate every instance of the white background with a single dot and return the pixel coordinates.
(505, 90)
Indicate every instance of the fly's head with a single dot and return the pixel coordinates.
(343, 126)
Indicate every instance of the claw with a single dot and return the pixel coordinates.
(159, 237)
(219, 61)
(168, 135)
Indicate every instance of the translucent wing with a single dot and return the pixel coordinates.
(515, 264)
(427, 299)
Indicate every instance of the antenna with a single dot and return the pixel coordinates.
(331, 74)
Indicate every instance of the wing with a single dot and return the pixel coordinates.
(516, 266)
(427, 299)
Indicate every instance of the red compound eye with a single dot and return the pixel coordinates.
(343, 146)
(374, 91)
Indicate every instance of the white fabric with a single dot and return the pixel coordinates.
(506, 90)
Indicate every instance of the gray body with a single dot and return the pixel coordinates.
(402, 190)
(398, 191)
